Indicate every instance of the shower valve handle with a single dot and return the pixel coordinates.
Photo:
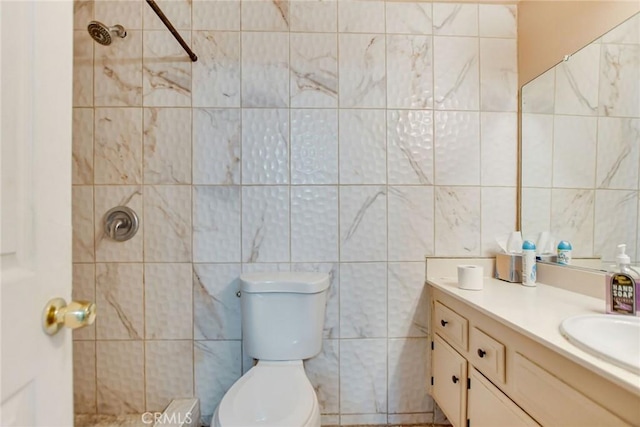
(121, 223)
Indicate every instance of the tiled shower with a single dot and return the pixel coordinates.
(352, 137)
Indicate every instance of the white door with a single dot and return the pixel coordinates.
(35, 209)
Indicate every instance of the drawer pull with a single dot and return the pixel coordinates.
(481, 352)
(443, 323)
(454, 379)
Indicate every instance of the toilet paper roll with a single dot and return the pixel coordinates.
(470, 277)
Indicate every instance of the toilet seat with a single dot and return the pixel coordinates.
(271, 394)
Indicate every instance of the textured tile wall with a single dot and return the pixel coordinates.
(587, 108)
(348, 137)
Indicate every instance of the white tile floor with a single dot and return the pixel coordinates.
(135, 420)
(95, 420)
(180, 413)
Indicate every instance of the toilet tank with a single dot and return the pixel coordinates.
(283, 314)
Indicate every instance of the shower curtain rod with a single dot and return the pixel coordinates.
(171, 28)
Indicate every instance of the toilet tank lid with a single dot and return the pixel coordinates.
(284, 281)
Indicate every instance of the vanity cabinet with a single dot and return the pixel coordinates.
(465, 396)
(484, 373)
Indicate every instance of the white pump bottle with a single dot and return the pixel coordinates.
(623, 286)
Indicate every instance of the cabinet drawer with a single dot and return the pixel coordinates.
(451, 325)
(449, 371)
(553, 402)
(487, 354)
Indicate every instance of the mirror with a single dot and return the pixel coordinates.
(580, 152)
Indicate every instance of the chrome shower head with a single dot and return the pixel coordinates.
(102, 34)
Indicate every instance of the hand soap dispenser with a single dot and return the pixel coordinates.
(623, 286)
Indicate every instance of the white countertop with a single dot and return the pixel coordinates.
(537, 312)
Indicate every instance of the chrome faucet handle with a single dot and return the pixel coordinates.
(121, 223)
(113, 227)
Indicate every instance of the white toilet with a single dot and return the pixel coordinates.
(282, 321)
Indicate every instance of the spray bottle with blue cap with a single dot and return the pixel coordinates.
(528, 263)
(564, 252)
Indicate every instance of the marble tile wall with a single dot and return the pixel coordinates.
(349, 137)
(581, 142)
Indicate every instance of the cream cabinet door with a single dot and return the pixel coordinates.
(489, 407)
(449, 371)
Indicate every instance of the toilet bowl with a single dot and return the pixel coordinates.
(271, 394)
(282, 321)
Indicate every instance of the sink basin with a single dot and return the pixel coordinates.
(615, 339)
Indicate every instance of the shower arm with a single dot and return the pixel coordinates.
(171, 28)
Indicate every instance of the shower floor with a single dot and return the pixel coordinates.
(93, 420)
